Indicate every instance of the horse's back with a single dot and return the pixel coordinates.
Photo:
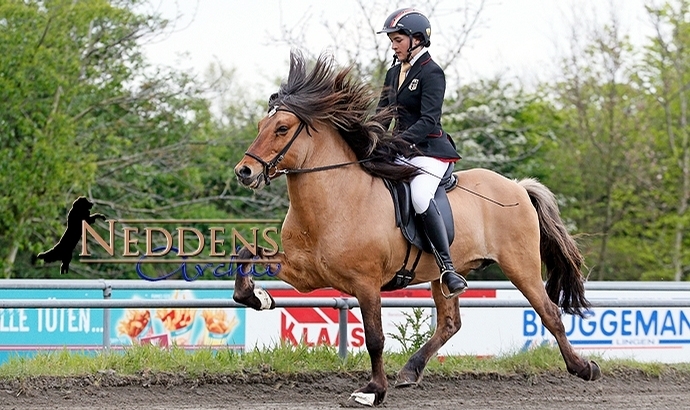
(492, 213)
(489, 187)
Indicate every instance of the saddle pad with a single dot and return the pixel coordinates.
(405, 217)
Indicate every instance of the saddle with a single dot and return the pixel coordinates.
(411, 227)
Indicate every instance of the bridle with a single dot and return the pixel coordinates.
(270, 168)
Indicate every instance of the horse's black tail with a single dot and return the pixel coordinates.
(559, 252)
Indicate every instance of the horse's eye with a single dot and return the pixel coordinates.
(282, 130)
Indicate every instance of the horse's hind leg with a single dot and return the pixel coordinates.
(447, 324)
(533, 288)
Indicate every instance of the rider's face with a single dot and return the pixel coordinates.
(400, 43)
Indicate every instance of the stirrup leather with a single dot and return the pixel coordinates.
(452, 294)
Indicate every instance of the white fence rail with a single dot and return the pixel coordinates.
(341, 303)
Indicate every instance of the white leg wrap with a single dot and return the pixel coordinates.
(366, 399)
(264, 298)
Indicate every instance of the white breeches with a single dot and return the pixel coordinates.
(423, 186)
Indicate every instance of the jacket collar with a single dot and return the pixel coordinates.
(419, 55)
(420, 60)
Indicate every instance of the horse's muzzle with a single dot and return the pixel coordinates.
(247, 177)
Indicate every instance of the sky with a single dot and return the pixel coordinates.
(522, 39)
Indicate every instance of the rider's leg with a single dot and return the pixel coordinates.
(423, 188)
(435, 230)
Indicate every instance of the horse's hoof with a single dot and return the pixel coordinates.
(370, 395)
(366, 399)
(265, 299)
(411, 374)
(405, 383)
(590, 373)
(594, 371)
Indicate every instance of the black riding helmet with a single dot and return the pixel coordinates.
(409, 21)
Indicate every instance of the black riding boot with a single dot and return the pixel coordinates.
(435, 230)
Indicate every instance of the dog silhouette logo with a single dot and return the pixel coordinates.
(62, 251)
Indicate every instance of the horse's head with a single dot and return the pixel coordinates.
(278, 132)
(322, 100)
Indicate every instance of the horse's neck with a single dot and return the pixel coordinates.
(322, 194)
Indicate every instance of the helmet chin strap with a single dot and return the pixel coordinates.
(411, 49)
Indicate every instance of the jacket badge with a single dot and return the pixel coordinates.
(413, 85)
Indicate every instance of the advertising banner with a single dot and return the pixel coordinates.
(187, 327)
(25, 331)
(28, 330)
(319, 326)
(643, 334)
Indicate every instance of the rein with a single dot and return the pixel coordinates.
(317, 169)
(271, 170)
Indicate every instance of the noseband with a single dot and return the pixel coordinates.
(270, 168)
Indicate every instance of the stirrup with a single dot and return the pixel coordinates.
(457, 292)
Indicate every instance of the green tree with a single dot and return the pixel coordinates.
(665, 78)
(601, 138)
(43, 75)
(84, 113)
(500, 126)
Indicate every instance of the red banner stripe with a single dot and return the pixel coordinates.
(403, 293)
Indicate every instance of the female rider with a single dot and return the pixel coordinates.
(415, 87)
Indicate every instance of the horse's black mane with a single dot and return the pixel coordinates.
(331, 95)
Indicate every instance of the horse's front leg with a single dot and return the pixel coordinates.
(375, 391)
(447, 324)
(245, 291)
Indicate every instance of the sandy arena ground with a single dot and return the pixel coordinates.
(628, 391)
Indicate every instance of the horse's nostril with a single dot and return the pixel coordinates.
(243, 172)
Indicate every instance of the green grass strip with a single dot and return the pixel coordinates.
(288, 359)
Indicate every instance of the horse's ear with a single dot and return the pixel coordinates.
(271, 100)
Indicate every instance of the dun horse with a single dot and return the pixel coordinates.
(340, 229)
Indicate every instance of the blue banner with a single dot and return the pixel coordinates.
(29, 330)
(26, 331)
